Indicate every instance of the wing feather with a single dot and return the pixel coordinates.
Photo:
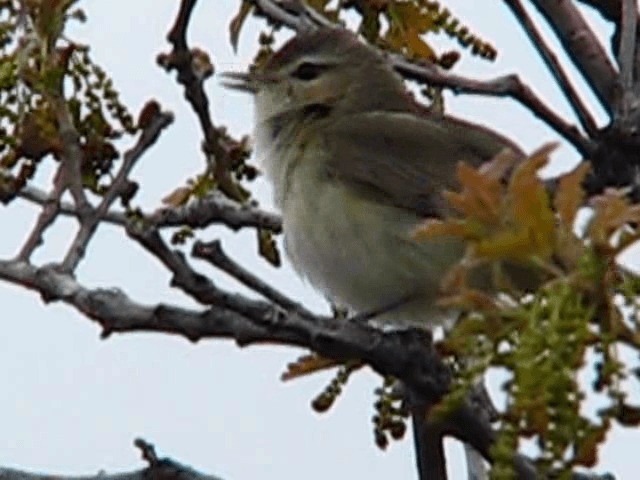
(406, 160)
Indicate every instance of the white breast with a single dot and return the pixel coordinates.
(358, 253)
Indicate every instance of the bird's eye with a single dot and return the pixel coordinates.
(308, 71)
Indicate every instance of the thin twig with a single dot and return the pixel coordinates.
(67, 177)
(281, 16)
(181, 59)
(178, 33)
(193, 67)
(47, 216)
(214, 254)
(553, 64)
(505, 86)
(582, 46)
(40, 197)
(72, 153)
(89, 224)
(200, 287)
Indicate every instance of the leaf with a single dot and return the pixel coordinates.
(516, 243)
(178, 197)
(587, 450)
(570, 194)
(530, 203)
(432, 228)
(416, 47)
(471, 300)
(408, 22)
(412, 17)
(318, 5)
(267, 247)
(612, 212)
(236, 23)
(306, 365)
(481, 192)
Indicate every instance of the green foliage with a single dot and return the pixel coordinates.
(44, 76)
(545, 334)
(390, 419)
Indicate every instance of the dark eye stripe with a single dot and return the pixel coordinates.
(308, 71)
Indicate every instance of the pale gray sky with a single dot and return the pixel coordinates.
(71, 403)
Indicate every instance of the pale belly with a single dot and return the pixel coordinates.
(360, 254)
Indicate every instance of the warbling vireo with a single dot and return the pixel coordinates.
(356, 164)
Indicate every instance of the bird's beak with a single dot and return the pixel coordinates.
(247, 82)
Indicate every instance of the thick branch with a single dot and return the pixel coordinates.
(200, 213)
(407, 355)
(429, 448)
(583, 47)
(216, 208)
(628, 42)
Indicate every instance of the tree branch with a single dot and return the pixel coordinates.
(200, 213)
(48, 214)
(407, 355)
(68, 176)
(181, 60)
(89, 223)
(216, 208)
(582, 46)
(213, 253)
(427, 438)
(158, 469)
(193, 67)
(72, 155)
(553, 64)
(506, 86)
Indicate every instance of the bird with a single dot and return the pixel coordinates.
(357, 164)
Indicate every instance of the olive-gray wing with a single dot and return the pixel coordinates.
(405, 160)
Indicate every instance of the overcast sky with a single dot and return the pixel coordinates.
(72, 404)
